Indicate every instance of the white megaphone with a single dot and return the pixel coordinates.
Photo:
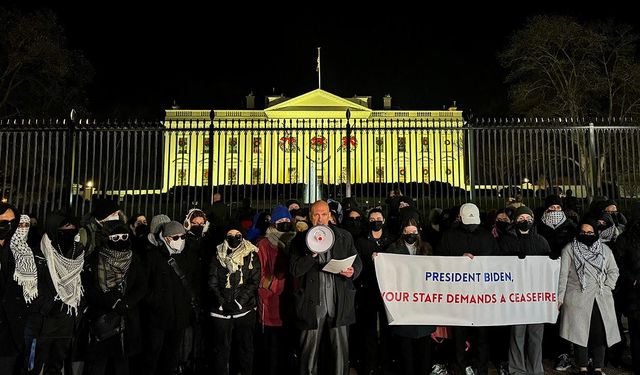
(320, 239)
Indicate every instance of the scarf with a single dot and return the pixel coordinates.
(554, 218)
(26, 273)
(583, 255)
(112, 267)
(609, 234)
(279, 239)
(234, 261)
(65, 274)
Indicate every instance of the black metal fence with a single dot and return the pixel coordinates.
(171, 166)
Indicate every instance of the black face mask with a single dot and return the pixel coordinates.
(410, 238)
(119, 245)
(284, 226)
(502, 226)
(233, 241)
(196, 230)
(66, 239)
(375, 225)
(470, 227)
(6, 229)
(524, 225)
(142, 230)
(587, 239)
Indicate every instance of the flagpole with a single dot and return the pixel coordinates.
(318, 70)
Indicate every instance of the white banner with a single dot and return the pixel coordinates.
(459, 291)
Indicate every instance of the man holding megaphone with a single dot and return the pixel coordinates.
(324, 300)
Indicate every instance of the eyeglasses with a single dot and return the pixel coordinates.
(119, 237)
(176, 238)
(5, 225)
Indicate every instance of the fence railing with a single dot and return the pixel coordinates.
(171, 166)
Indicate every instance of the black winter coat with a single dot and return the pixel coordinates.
(306, 268)
(245, 294)
(13, 309)
(515, 243)
(458, 241)
(558, 238)
(167, 305)
(100, 303)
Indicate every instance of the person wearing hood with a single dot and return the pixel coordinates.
(628, 245)
(115, 283)
(55, 313)
(261, 221)
(502, 225)
(139, 230)
(354, 223)
(369, 305)
(106, 215)
(292, 205)
(588, 275)
(171, 302)
(433, 228)
(522, 241)
(415, 340)
(300, 219)
(234, 278)
(273, 254)
(12, 303)
(559, 231)
(469, 239)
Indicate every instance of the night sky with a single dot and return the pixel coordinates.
(211, 57)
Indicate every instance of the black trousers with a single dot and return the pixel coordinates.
(270, 351)
(415, 355)
(160, 354)
(597, 342)
(478, 337)
(7, 365)
(236, 334)
(50, 354)
(363, 336)
(634, 333)
(98, 365)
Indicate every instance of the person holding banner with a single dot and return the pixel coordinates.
(469, 239)
(415, 341)
(588, 275)
(523, 241)
(323, 300)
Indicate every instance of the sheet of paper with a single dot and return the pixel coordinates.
(337, 266)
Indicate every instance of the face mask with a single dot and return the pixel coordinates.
(587, 239)
(410, 238)
(301, 226)
(119, 245)
(66, 238)
(553, 218)
(233, 241)
(502, 226)
(470, 227)
(177, 245)
(142, 230)
(284, 226)
(5, 229)
(196, 230)
(375, 225)
(524, 225)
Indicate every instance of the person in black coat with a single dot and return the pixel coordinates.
(55, 315)
(558, 230)
(324, 300)
(415, 340)
(233, 283)
(168, 307)
(469, 239)
(12, 304)
(522, 241)
(369, 305)
(115, 282)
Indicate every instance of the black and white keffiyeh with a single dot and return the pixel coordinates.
(26, 273)
(65, 274)
(584, 255)
(554, 218)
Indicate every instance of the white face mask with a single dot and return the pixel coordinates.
(176, 246)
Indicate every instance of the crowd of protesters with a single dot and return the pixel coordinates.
(222, 292)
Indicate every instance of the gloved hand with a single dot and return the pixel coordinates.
(522, 256)
(229, 307)
(554, 256)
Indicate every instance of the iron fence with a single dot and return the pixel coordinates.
(171, 166)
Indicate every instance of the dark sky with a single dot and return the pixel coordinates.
(210, 57)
